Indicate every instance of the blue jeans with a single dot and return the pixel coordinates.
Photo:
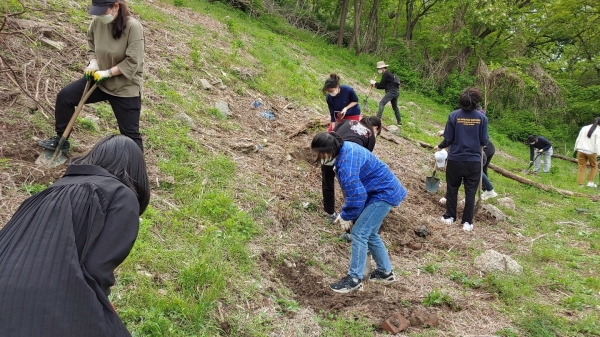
(547, 155)
(487, 185)
(364, 234)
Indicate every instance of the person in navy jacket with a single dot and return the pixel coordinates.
(543, 148)
(341, 100)
(466, 130)
(371, 191)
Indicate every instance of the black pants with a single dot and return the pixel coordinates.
(468, 173)
(126, 109)
(390, 96)
(328, 187)
(489, 154)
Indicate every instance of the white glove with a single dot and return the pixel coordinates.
(541, 150)
(92, 67)
(345, 224)
(372, 82)
(443, 201)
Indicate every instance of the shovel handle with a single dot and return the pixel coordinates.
(86, 94)
(371, 86)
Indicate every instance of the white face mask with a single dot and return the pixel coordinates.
(380, 71)
(328, 161)
(107, 18)
(333, 94)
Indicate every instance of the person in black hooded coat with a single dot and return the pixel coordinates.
(59, 251)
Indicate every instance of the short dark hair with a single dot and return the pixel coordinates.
(469, 99)
(372, 121)
(332, 82)
(531, 139)
(326, 144)
(123, 158)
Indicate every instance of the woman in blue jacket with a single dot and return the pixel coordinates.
(371, 190)
(341, 100)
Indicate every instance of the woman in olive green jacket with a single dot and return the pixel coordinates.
(116, 54)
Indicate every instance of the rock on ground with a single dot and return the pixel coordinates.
(506, 202)
(492, 261)
(495, 212)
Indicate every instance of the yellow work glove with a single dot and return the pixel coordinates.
(102, 75)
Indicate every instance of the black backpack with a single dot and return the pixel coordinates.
(396, 81)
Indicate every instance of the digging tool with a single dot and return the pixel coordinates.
(432, 183)
(365, 102)
(49, 158)
(368, 268)
(530, 165)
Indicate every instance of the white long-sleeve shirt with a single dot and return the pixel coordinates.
(588, 145)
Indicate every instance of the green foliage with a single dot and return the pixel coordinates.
(430, 268)
(337, 326)
(33, 188)
(467, 282)
(437, 298)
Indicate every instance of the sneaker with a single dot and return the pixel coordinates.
(448, 221)
(591, 184)
(399, 123)
(346, 285)
(378, 275)
(488, 194)
(346, 237)
(50, 144)
(467, 227)
(331, 217)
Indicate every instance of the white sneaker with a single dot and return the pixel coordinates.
(467, 227)
(488, 194)
(448, 221)
(443, 201)
(591, 184)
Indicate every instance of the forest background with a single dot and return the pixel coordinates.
(538, 61)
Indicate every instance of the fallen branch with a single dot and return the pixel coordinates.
(514, 176)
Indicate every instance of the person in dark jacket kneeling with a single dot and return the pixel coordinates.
(371, 190)
(466, 130)
(59, 251)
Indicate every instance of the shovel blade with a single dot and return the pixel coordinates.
(48, 159)
(432, 184)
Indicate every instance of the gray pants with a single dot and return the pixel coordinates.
(547, 155)
(390, 96)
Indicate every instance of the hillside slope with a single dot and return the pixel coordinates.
(235, 242)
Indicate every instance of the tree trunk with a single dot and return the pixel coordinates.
(372, 35)
(410, 5)
(397, 17)
(343, 15)
(356, 32)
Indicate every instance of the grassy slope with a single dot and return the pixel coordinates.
(194, 254)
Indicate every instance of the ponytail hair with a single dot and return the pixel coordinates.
(470, 99)
(372, 121)
(594, 126)
(326, 144)
(120, 21)
(332, 82)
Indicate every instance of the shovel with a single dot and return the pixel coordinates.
(432, 183)
(49, 158)
(365, 102)
(530, 165)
